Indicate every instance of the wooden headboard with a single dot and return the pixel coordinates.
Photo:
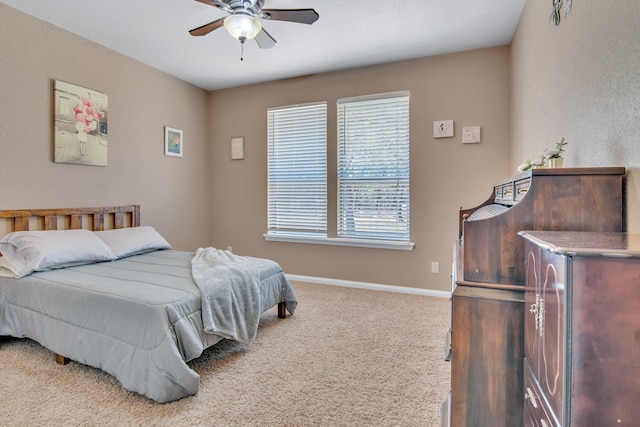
(95, 219)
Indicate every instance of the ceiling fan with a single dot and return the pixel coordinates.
(243, 20)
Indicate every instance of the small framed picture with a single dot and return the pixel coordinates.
(471, 134)
(173, 142)
(443, 129)
(237, 148)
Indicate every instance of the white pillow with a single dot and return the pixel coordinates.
(130, 241)
(27, 251)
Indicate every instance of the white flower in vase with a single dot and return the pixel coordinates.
(552, 154)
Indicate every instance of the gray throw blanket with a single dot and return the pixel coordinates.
(230, 293)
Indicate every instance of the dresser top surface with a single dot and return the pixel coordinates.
(584, 243)
(615, 170)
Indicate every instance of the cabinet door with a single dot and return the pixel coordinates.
(486, 358)
(545, 324)
(552, 345)
(532, 304)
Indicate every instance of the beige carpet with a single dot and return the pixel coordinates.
(348, 357)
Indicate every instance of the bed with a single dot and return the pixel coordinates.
(134, 308)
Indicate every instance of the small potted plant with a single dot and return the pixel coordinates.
(555, 156)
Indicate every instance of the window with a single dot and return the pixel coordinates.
(373, 167)
(297, 170)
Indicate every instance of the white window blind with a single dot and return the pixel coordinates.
(297, 169)
(373, 167)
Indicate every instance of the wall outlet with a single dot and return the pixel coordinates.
(435, 267)
(230, 248)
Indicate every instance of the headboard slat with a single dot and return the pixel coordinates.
(76, 222)
(98, 222)
(118, 220)
(21, 223)
(50, 222)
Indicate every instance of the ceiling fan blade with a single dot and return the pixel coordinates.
(215, 3)
(207, 28)
(264, 40)
(303, 16)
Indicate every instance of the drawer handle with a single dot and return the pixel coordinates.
(531, 398)
(537, 309)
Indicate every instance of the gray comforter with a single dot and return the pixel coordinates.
(139, 318)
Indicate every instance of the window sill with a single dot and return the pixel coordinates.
(341, 241)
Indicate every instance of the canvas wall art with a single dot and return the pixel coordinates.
(80, 125)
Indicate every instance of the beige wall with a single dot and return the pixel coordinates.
(174, 193)
(207, 199)
(580, 81)
(471, 88)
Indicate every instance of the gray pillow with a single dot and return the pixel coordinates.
(130, 241)
(24, 252)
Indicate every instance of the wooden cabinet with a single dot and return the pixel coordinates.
(488, 310)
(582, 329)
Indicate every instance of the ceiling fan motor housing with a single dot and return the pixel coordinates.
(251, 6)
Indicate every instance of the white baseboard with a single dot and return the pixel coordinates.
(370, 286)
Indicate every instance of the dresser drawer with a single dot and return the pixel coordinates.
(522, 187)
(537, 412)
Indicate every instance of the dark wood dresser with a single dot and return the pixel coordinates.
(582, 329)
(487, 327)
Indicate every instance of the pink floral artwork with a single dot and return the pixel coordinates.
(80, 125)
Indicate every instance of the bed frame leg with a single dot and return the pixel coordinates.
(282, 310)
(61, 360)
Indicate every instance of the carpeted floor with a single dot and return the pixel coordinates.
(347, 357)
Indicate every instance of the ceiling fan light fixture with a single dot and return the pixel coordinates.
(242, 27)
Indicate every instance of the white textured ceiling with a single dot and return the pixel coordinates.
(348, 34)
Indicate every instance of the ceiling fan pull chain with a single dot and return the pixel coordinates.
(241, 49)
